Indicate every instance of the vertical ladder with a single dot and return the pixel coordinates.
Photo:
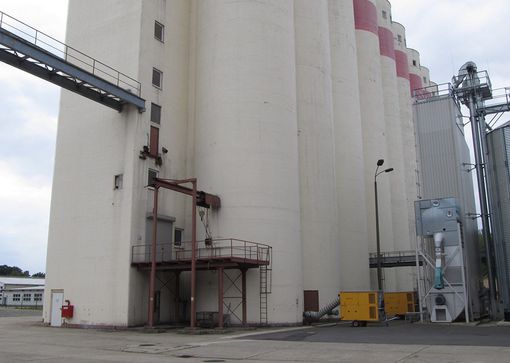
(265, 289)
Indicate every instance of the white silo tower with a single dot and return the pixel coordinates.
(393, 137)
(372, 120)
(319, 218)
(349, 159)
(408, 140)
(415, 77)
(425, 76)
(245, 130)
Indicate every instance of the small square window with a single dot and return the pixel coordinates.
(153, 174)
(384, 15)
(155, 113)
(159, 31)
(425, 79)
(399, 38)
(414, 63)
(118, 181)
(157, 78)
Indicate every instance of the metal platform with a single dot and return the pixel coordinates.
(225, 253)
(395, 259)
(32, 51)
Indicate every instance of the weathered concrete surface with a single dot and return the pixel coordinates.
(23, 339)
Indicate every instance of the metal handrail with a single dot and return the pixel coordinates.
(220, 248)
(67, 53)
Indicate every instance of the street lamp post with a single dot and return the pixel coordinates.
(380, 162)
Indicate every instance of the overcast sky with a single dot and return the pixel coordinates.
(447, 33)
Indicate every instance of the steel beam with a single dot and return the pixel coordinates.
(30, 58)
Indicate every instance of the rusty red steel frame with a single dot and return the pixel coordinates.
(200, 198)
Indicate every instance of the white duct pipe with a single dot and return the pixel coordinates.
(438, 244)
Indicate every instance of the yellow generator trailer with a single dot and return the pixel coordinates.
(359, 307)
(399, 303)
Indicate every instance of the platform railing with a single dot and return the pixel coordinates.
(215, 249)
(69, 54)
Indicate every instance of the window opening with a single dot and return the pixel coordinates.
(159, 31)
(155, 113)
(157, 78)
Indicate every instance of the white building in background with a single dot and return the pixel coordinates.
(280, 107)
(21, 291)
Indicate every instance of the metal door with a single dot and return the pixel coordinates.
(57, 300)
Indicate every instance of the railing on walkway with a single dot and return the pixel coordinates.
(69, 54)
(243, 251)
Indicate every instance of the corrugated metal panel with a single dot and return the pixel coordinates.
(443, 154)
(499, 179)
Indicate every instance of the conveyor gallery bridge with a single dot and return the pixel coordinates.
(32, 51)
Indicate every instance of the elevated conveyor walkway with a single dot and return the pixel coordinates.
(32, 51)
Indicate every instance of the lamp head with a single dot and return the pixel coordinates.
(388, 170)
(380, 162)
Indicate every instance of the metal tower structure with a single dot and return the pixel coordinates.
(473, 89)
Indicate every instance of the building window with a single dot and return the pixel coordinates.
(399, 38)
(157, 78)
(384, 15)
(27, 297)
(414, 63)
(118, 181)
(159, 31)
(154, 141)
(151, 176)
(425, 79)
(37, 297)
(177, 237)
(16, 297)
(155, 113)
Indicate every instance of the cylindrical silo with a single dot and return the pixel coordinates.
(319, 219)
(415, 78)
(372, 120)
(395, 158)
(349, 158)
(406, 275)
(246, 147)
(425, 76)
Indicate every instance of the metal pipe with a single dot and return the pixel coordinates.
(152, 281)
(378, 239)
(482, 195)
(193, 253)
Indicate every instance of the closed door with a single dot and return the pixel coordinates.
(57, 299)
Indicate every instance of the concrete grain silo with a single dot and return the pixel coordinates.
(415, 73)
(407, 131)
(372, 120)
(395, 159)
(281, 108)
(246, 148)
(319, 217)
(349, 156)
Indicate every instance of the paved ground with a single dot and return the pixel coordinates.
(24, 339)
(8, 311)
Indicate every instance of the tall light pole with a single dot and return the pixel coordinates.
(380, 162)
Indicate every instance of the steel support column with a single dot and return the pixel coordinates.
(152, 281)
(243, 288)
(220, 297)
(193, 254)
(177, 295)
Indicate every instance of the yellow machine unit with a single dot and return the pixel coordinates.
(399, 303)
(359, 306)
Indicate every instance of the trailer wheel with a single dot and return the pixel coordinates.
(355, 323)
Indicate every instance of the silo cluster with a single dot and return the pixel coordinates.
(282, 108)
